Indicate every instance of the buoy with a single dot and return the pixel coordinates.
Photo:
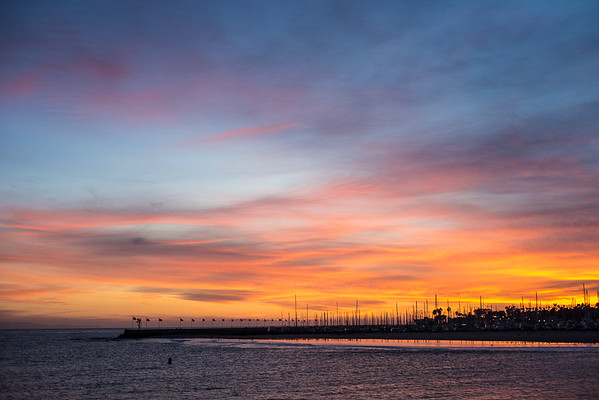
(170, 360)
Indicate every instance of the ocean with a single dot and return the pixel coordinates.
(89, 364)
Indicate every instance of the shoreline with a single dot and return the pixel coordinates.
(549, 336)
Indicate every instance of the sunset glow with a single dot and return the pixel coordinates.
(217, 159)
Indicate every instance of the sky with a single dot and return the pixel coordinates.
(218, 158)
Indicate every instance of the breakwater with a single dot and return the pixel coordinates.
(554, 336)
(265, 331)
(193, 332)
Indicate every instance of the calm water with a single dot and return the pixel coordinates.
(85, 364)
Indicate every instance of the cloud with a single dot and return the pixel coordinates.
(36, 293)
(202, 295)
(242, 133)
(24, 83)
(218, 296)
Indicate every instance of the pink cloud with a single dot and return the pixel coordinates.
(243, 133)
(24, 83)
(44, 293)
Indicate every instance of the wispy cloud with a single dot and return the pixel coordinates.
(242, 133)
(202, 295)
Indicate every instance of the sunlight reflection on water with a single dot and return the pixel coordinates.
(437, 344)
(449, 345)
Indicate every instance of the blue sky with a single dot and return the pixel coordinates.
(286, 141)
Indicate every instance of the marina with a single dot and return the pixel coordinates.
(565, 324)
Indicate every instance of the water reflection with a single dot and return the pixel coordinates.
(406, 344)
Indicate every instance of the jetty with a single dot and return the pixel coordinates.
(366, 333)
(194, 332)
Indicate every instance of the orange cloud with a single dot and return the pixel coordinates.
(325, 245)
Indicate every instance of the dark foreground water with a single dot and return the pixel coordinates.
(86, 364)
